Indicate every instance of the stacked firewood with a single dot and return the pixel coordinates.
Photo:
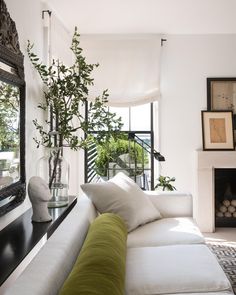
(226, 209)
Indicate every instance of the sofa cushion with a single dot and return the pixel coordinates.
(100, 267)
(173, 269)
(230, 292)
(166, 231)
(122, 196)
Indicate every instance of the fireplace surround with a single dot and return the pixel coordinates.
(207, 163)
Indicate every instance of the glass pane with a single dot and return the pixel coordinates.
(9, 134)
(124, 114)
(140, 118)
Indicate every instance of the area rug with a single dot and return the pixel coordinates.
(226, 256)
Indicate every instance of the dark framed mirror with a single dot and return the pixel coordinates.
(12, 115)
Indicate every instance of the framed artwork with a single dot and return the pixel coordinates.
(217, 130)
(221, 95)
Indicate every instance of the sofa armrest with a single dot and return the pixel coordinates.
(49, 269)
(172, 204)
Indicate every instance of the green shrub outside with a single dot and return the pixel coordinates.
(111, 151)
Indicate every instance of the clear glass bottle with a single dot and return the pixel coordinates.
(54, 169)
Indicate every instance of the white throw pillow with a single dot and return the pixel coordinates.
(122, 196)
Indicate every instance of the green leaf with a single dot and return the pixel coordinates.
(65, 95)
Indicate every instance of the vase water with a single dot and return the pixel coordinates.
(54, 169)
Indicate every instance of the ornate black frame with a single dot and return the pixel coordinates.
(11, 55)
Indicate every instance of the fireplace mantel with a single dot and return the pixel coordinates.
(207, 161)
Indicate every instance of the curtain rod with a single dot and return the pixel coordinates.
(162, 41)
(48, 11)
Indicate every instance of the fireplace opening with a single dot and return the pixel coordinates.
(225, 197)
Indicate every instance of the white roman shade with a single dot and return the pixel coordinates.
(128, 67)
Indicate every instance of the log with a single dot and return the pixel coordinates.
(219, 214)
(228, 214)
(223, 209)
(233, 203)
(231, 209)
(226, 203)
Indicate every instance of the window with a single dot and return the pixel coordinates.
(138, 125)
(137, 118)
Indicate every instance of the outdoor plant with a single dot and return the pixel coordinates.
(111, 152)
(9, 117)
(65, 96)
(164, 182)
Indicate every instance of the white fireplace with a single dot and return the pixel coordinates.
(207, 161)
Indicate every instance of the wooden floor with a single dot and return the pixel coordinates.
(222, 236)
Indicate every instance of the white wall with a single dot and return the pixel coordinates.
(187, 60)
(60, 44)
(27, 15)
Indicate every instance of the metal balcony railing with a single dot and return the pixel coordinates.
(142, 171)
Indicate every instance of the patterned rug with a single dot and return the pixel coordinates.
(226, 256)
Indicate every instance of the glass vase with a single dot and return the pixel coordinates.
(54, 169)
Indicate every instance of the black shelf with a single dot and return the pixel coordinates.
(19, 237)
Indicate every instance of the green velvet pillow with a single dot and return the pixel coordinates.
(100, 266)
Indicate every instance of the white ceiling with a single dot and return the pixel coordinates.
(147, 16)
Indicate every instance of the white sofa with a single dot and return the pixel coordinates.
(166, 256)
